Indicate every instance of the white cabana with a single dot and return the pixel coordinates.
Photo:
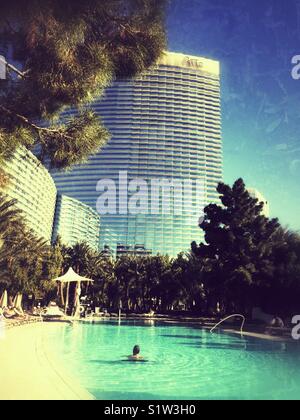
(17, 303)
(4, 300)
(72, 277)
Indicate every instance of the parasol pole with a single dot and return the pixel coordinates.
(62, 294)
(67, 298)
(77, 298)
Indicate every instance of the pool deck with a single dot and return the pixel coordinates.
(29, 371)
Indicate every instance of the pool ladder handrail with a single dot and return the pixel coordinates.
(228, 317)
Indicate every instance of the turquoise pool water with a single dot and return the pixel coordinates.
(184, 362)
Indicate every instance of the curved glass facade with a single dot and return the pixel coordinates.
(34, 189)
(76, 222)
(165, 124)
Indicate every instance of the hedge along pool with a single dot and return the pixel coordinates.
(182, 362)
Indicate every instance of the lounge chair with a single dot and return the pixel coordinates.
(11, 313)
(269, 320)
(53, 311)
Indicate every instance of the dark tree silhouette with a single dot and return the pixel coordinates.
(238, 249)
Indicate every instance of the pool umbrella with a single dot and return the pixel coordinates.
(17, 303)
(72, 277)
(4, 300)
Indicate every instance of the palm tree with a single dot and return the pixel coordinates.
(25, 266)
(10, 222)
(9, 216)
(125, 273)
(22, 254)
(188, 276)
(156, 271)
(105, 285)
(81, 257)
(4, 179)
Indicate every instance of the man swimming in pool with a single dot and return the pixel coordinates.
(136, 354)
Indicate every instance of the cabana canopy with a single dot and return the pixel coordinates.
(4, 300)
(72, 277)
(68, 278)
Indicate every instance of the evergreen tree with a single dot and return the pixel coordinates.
(65, 55)
(282, 294)
(238, 249)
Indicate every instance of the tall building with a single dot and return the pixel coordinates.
(34, 189)
(261, 199)
(76, 222)
(165, 124)
(135, 251)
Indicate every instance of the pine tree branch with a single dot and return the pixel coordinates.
(122, 23)
(26, 121)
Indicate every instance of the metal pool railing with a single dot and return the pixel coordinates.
(226, 319)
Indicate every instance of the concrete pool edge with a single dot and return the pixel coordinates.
(31, 371)
(205, 325)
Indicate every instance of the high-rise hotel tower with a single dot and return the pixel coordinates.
(165, 124)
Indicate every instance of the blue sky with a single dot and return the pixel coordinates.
(255, 41)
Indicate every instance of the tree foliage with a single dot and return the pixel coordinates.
(25, 260)
(242, 252)
(247, 260)
(66, 56)
(139, 284)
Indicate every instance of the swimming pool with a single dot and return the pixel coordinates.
(184, 362)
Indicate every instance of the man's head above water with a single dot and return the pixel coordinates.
(136, 350)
